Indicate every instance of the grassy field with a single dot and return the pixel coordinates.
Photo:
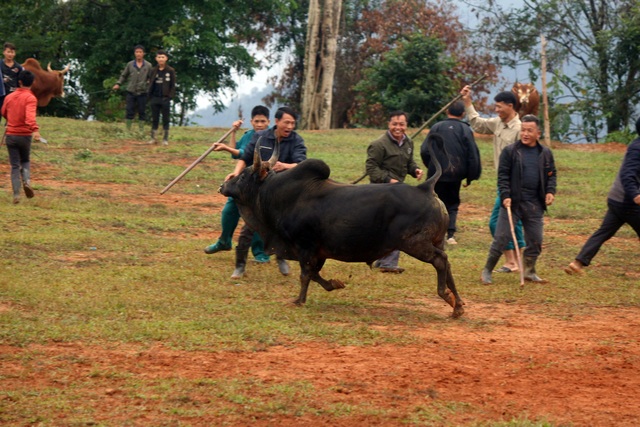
(98, 257)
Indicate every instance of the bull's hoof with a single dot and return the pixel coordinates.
(337, 284)
(449, 298)
(457, 312)
(298, 302)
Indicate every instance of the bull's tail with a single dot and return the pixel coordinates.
(430, 183)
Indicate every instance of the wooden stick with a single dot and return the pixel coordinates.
(198, 160)
(515, 244)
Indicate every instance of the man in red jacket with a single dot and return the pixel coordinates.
(19, 109)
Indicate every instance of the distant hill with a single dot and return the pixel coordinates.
(208, 118)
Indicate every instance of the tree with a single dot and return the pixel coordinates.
(411, 78)
(207, 41)
(599, 40)
(320, 63)
(373, 27)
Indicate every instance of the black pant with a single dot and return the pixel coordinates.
(615, 218)
(19, 148)
(134, 101)
(160, 105)
(531, 213)
(449, 193)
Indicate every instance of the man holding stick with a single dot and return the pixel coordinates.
(292, 151)
(526, 185)
(505, 130)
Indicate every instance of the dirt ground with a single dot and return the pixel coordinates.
(569, 369)
(580, 371)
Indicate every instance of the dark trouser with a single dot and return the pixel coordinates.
(531, 214)
(19, 148)
(449, 193)
(160, 105)
(615, 218)
(134, 101)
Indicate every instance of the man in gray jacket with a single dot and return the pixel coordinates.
(137, 73)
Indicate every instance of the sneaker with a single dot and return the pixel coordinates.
(165, 142)
(216, 247)
(451, 241)
(28, 191)
(262, 259)
(573, 268)
(16, 199)
(283, 266)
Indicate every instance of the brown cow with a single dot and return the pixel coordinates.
(528, 99)
(47, 84)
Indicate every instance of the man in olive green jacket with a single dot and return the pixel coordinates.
(137, 72)
(389, 160)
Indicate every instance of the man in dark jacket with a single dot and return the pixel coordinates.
(623, 203)
(527, 185)
(462, 162)
(291, 152)
(161, 90)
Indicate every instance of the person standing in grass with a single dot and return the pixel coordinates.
(389, 161)
(526, 185)
(505, 130)
(292, 151)
(137, 72)
(161, 90)
(463, 162)
(623, 207)
(19, 109)
(9, 70)
(230, 212)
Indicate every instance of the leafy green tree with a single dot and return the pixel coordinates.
(411, 78)
(207, 41)
(599, 40)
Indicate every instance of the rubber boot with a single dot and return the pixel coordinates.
(141, 126)
(257, 249)
(153, 137)
(530, 271)
(129, 122)
(26, 182)
(241, 263)
(492, 260)
(165, 138)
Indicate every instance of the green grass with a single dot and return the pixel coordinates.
(99, 257)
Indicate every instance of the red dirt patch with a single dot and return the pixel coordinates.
(575, 371)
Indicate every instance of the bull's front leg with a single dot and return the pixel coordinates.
(304, 287)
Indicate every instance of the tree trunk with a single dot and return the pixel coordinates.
(320, 63)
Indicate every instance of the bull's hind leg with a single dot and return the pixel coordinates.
(446, 285)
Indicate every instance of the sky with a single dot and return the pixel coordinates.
(251, 90)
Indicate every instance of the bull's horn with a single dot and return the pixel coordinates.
(275, 154)
(63, 71)
(257, 160)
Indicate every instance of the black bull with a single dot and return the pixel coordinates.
(305, 216)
